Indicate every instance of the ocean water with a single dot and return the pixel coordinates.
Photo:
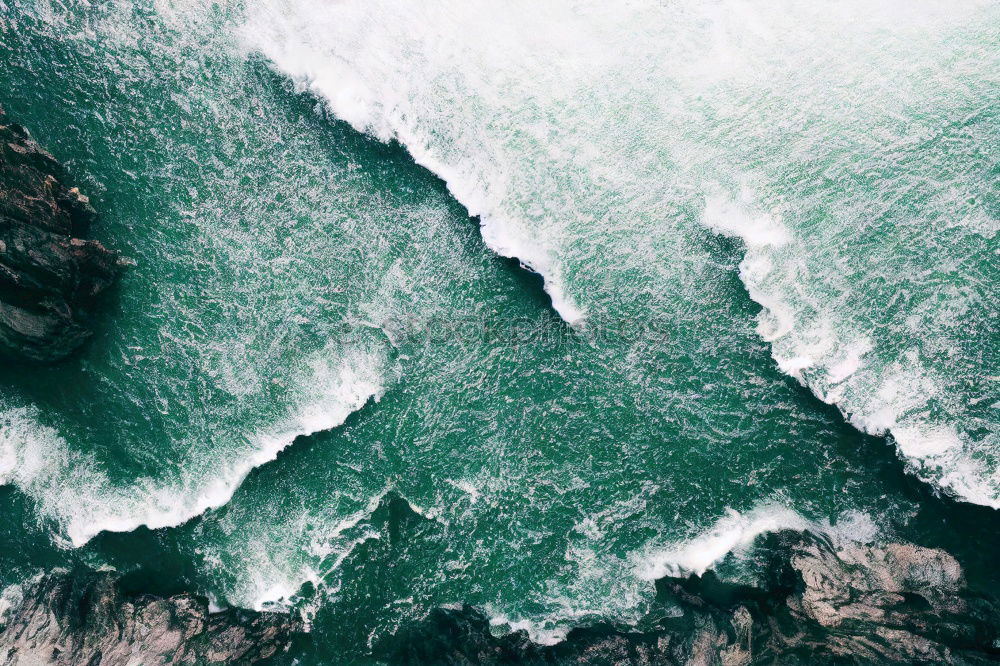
(515, 306)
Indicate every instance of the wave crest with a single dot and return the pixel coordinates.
(73, 490)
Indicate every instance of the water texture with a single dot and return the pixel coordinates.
(519, 307)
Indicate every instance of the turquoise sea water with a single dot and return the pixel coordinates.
(758, 232)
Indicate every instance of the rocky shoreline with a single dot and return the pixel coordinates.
(49, 275)
(83, 618)
(822, 604)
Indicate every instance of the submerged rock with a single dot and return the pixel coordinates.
(84, 619)
(49, 276)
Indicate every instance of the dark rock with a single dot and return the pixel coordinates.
(84, 619)
(49, 276)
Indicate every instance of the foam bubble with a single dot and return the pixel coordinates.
(725, 216)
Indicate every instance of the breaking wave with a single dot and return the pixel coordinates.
(72, 489)
(883, 384)
(577, 155)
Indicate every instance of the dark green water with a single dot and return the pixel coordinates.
(321, 388)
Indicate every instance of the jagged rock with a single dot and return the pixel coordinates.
(83, 619)
(880, 602)
(865, 583)
(49, 276)
(821, 604)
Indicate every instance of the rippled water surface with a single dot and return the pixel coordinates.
(520, 307)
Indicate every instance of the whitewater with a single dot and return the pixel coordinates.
(704, 238)
(439, 79)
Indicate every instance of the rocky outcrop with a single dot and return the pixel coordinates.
(84, 619)
(822, 604)
(49, 276)
(899, 602)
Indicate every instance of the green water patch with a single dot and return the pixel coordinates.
(434, 434)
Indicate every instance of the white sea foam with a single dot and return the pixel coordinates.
(540, 632)
(466, 487)
(278, 559)
(728, 217)
(732, 533)
(74, 490)
(302, 39)
(819, 345)
(11, 597)
(620, 588)
(594, 586)
(562, 150)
